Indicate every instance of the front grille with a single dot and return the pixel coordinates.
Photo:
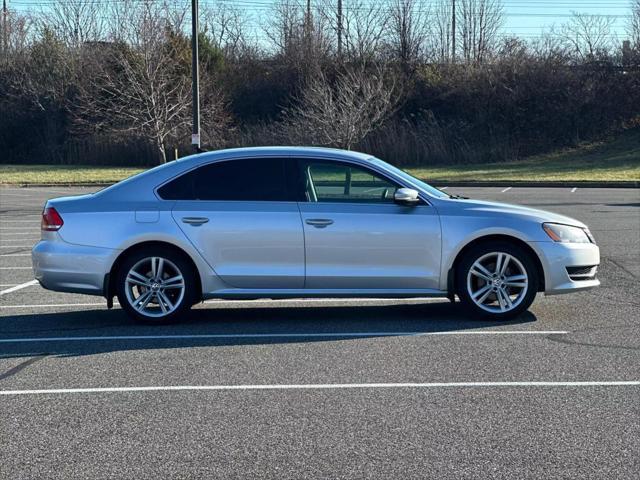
(587, 272)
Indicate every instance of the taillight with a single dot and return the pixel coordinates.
(51, 220)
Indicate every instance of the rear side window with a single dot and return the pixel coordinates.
(254, 179)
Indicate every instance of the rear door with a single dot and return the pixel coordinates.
(242, 216)
(357, 237)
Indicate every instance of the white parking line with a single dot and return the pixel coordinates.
(5, 222)
(54, 305)
(15, 268)
(444, 188)
(244, 302)
(19, 287)
(321, 386)
(282, 335)
(33, 233)
(26, 229)
(506, 189)
(573, 190)
(15, 254)
(16, 246)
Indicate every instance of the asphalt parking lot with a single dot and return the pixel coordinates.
(326, 389)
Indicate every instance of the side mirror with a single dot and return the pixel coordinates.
(406, 196)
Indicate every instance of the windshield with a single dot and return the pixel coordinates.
(410, 179)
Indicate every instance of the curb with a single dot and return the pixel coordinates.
(52, 185)
(539, 184)
(435, 183)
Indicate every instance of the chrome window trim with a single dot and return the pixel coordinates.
(360, 163)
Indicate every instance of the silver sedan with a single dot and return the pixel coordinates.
(303, 222)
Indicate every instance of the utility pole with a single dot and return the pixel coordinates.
(339, 29)
(307, 22)
(453, 31)
(5, 33)
(195, 77)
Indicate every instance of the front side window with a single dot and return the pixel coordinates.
(252, 179)
(337, 182)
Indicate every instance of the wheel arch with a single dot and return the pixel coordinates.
(110, 278)
(451, 280)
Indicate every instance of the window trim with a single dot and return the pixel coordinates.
(294, 180)
(288, 180)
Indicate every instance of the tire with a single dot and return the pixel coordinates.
(156, 299)
(494, 291)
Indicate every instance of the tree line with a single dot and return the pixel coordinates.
(413, 82)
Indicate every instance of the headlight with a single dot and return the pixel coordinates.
(567, 234)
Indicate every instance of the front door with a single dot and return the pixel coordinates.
(357, 237)
(243, 220)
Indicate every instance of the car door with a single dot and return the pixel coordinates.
(357, 237)
(243, 218)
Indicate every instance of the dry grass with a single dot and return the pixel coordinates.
(615, 160)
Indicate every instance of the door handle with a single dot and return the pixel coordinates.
(319, 222)
(195, 221)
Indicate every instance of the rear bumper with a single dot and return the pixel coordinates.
(65, 267)
(556, 257)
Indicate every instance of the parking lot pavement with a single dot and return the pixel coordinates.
(342, 389)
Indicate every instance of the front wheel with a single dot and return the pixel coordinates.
(497, 280)
(155, 285)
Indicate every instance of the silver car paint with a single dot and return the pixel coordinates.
(369, 250)
(248, 244)
(372, 246)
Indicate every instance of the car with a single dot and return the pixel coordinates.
(303, 222)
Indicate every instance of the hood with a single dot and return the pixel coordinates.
(516, 210)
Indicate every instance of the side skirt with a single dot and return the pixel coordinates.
(249, 294)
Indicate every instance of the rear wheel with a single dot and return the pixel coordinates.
(156, 285)
(497, 280)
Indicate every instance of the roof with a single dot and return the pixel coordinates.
(135, 187)
(278, 150)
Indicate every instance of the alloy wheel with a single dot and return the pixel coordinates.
(154, 287)
(497, 282)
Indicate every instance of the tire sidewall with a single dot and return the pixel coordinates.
(185, 269)
(478, 251)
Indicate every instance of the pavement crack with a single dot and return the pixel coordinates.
(17, 250)
(621, 267)
(568, 341)
(21, 366)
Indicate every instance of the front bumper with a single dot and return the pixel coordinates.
(556, 257)
(66, 267)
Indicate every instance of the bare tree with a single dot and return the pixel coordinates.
(341, 113)
(299, 34)
(634, 24)
(587, 35)
(479, 24)
(408, 31)
(15, 30)
(362, 25)
(227, 26)
(43, 73)
(76, 21)
(441, 33)
(141, 88)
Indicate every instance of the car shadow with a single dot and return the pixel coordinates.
(236, 326)
(633, 204)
